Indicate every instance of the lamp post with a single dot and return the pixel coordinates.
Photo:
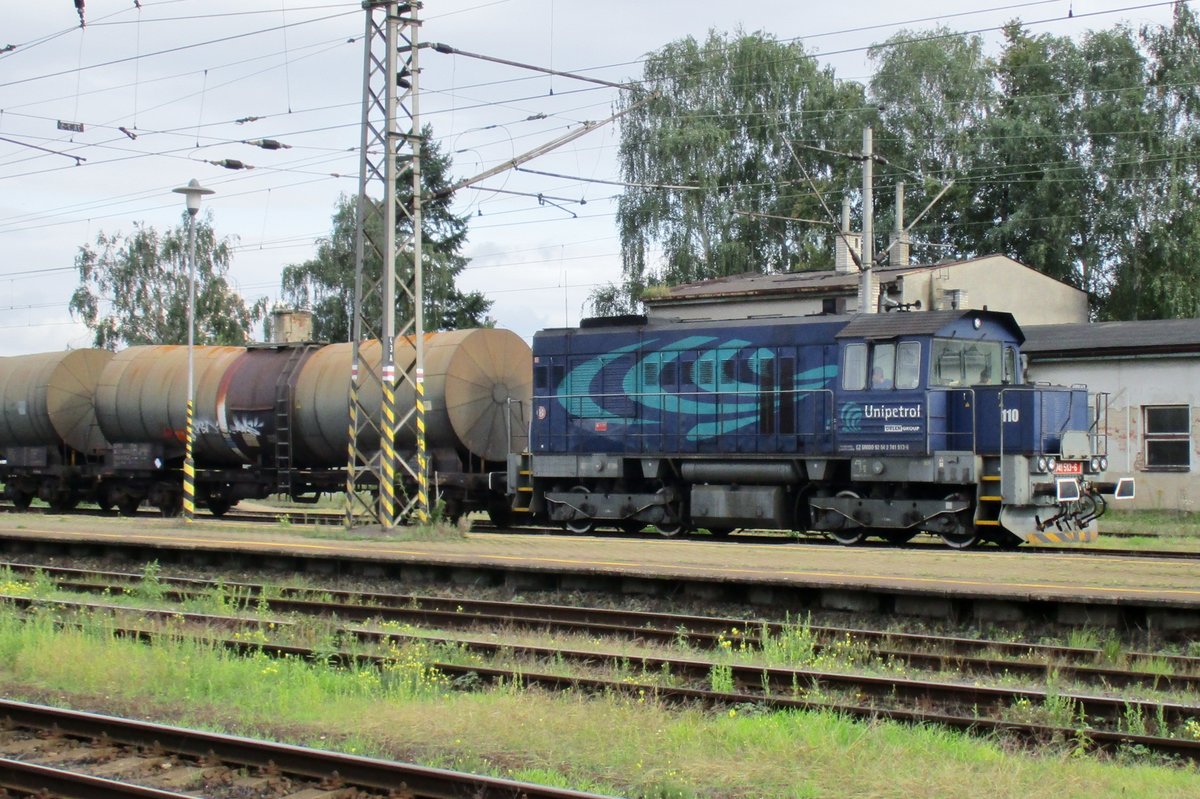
(194, 191)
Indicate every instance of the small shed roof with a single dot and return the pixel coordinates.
(1101, 339)
(824, 281)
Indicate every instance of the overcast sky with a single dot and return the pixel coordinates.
(181, 75)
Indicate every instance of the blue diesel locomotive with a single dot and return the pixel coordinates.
(871, 425)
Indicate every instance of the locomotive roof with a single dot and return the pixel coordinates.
(863, 325)
(870, 326)
(920, 323)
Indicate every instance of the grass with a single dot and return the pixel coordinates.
(632, 747)
(1153, 523)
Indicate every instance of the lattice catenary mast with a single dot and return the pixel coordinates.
(390, 135)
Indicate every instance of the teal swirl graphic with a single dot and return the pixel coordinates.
(722, 401)
(850, 415)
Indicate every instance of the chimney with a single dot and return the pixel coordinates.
(290, 326)
(842, 261)
(899, 241)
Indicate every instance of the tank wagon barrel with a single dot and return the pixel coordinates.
(49, 434)
(46, 400)
(478, 385)
(142, 400)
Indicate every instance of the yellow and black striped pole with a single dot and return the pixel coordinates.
(352, 438)
(422, 471)
(387, 482)
(189, 469)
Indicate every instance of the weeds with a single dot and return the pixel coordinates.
(720, 678)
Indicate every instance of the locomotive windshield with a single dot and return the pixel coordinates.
(965, 363)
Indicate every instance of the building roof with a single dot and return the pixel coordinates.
(1110, 339)
(823, 281)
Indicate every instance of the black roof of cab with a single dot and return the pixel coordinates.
(921, 323)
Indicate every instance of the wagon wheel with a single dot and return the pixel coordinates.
(22, 499)
(63, 501)
(172, 505)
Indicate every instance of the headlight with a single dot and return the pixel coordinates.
(1095, 464)
(1050, 463)
(1041, 463)
(1103, 464)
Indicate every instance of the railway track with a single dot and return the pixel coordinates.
(675, 680)
(967, 658)
(937, 652)
(335, 519)
(67, 753)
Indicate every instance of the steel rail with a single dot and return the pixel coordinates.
(31, 779)
(421, 782)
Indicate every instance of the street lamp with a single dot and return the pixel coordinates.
(194, 191)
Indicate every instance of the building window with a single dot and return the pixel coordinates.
(1168, 437)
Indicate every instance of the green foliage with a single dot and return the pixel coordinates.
(1074, 156)
(134, 289)
(715, 116)
(325, 284)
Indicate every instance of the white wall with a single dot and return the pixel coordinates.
(1133, 384)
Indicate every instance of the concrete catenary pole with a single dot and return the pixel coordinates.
(866, 299)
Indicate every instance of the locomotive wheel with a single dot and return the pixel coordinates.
(962, 540)
(22, 499)
(848, 536)
(579, 526)
(219, 507)
(967, 536)
(127, 506)
(632, 527)
(670, 529)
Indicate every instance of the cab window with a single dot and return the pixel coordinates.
(1010, 366)
(854, 367)
(883, 366)
(908, 365)
(965, 363)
